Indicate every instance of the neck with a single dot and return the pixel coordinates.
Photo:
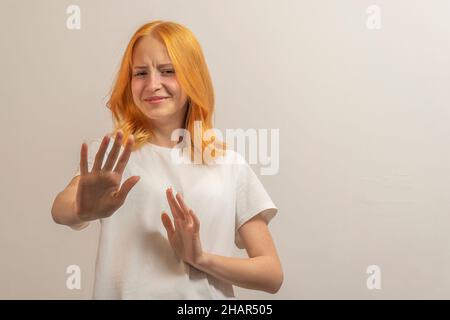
(161, 137)
(162, 133)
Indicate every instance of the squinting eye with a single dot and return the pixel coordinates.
(143, 73)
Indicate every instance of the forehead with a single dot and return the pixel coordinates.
(150, 50)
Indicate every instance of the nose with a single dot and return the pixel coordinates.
(153, 81)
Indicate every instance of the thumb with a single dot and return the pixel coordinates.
(167, 224)
(169, 228)
(127, 186)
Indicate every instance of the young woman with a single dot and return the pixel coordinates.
(163, 85)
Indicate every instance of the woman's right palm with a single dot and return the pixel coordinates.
(98, 194)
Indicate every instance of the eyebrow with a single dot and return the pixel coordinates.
(159, 65)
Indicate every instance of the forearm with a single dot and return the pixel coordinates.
(258, 273)
(63, 211)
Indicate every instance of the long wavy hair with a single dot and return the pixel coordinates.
(193, 76)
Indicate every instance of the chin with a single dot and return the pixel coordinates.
(155, 114)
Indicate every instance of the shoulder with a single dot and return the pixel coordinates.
(231, 157)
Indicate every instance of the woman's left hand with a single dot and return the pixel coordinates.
(184, 238)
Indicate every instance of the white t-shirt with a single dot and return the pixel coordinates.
(135, 259)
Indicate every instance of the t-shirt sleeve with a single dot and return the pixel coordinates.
(93, 147)
(251, 199)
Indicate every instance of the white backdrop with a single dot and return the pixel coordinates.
(363, 116)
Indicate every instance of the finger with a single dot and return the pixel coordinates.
(173, 204)
(100, 154)
(196, 221)
(176, 221)
(179, 224)
(184, 208)
(167, 224)
(83, 159)
(126, 187)
(120, 167)
(114, 152)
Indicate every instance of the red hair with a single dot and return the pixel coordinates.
(192, 74)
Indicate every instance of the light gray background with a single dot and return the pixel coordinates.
(363, 118)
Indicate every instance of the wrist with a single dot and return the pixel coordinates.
(203, 262)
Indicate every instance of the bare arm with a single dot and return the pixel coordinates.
(96, 194)
(63, 209)
(261, 271)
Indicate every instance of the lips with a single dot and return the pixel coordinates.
(155, 99)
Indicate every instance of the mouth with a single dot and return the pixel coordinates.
(156, 100)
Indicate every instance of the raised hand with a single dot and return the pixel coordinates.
(184, 238)
(98, 193)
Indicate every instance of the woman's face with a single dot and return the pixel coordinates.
(153, 75)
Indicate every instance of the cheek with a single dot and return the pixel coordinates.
(173, 87)
(177, 93)
(136, 87)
